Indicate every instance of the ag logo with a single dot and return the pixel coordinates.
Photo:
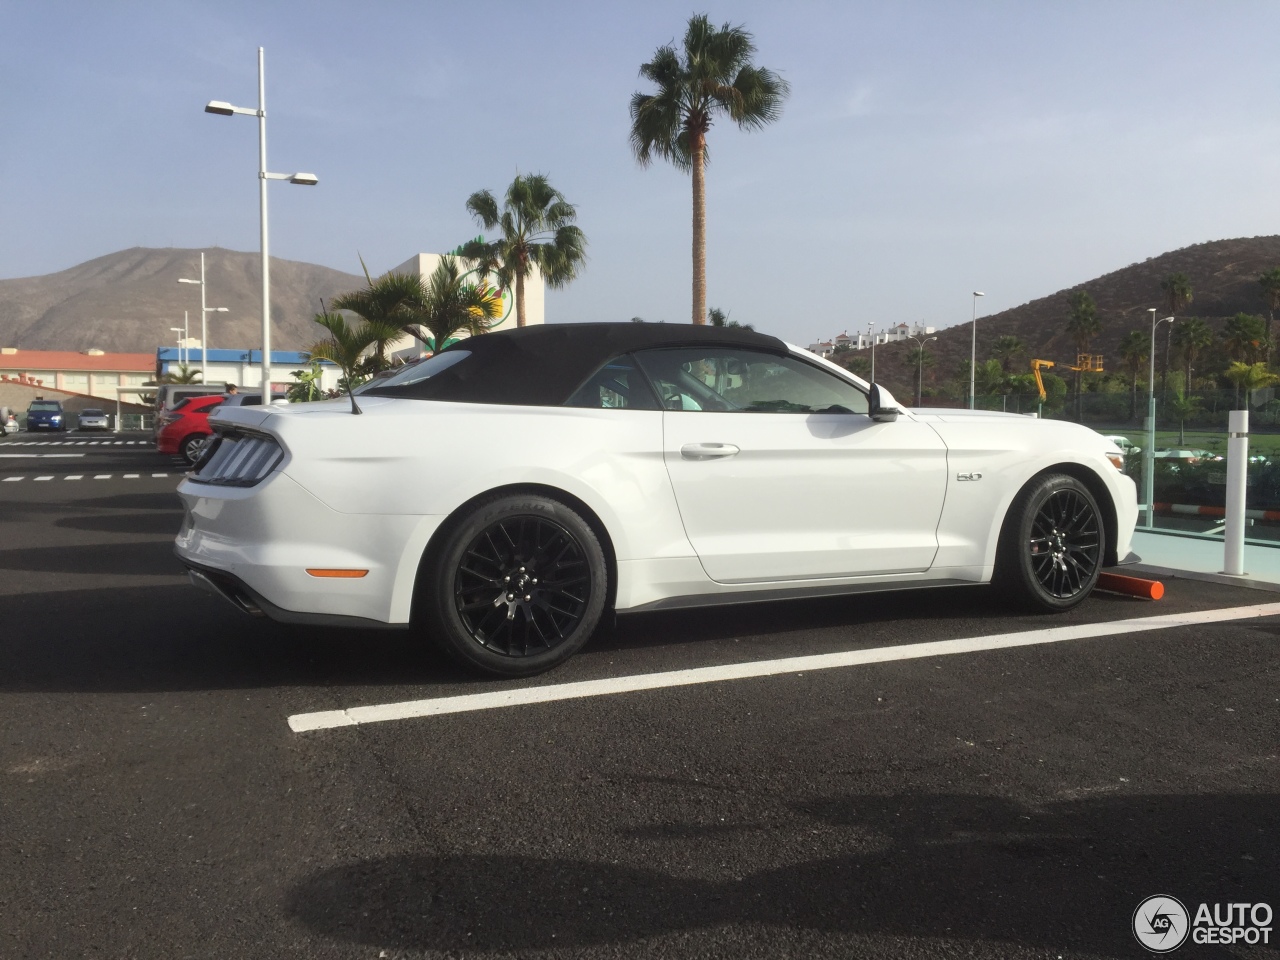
(1160, 923)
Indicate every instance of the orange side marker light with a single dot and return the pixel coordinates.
(337, 574)
(1131, 586)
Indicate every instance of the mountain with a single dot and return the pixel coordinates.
(127, 301)
(1224, 280)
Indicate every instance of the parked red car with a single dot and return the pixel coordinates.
(185, 428)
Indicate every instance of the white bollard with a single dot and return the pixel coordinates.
(1237, 478)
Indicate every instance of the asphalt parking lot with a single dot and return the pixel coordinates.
(1006, 802)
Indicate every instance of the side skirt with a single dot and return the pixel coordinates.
(790, 593)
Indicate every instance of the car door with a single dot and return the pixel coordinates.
(780, 473)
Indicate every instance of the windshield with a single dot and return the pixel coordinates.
(422, 370)
(90, 412)
(45, 406)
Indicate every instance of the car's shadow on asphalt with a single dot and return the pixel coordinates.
(172, 636)
(978, 869)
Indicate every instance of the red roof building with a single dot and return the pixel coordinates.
(91, 372)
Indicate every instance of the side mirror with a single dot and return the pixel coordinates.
(882, 407)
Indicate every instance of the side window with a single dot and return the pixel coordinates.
(747, 381)
(618, 385)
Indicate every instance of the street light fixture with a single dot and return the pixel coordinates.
(973, 345)
(1149, 455)
(920, 365)
(204, 312)
(222, 108)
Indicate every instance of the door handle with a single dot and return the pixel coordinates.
(708, 451)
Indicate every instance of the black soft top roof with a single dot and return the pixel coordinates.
(542, 366)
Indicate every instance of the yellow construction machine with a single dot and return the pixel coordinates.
(1085, 363)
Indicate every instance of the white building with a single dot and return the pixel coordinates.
(863, 341)
(91, 373)
(242, 367)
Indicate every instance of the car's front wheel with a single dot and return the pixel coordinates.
(516, 587)
(1051, 546)
(192, 446)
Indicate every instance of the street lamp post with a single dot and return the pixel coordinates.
(178, 331)
(222, 108)
(871, 335)
(973, 345)
(920, 365)
(1149, 457)
(204, 331)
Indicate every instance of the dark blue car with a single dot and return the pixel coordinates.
(45, 415)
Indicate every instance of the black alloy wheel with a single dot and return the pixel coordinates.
(517, 587)
(1051, 548)
(1064, 548)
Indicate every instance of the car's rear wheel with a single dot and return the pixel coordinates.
(193, 446)
(1051, 547)
(517, 586)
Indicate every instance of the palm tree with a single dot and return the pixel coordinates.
(919, 357)
(1177, 294)
(537, 232)
(1183, 408)
(448, 306)
(393, 300)
(1191, 336)
(990, 378)
(1082, 326)
(859, 365)
(346, 344)
(714, 77)
(1245, 338)
(183, 375)
(1005, 348)
(1134, 352)
(1270, 282)
(1250, 377)
(719, 318)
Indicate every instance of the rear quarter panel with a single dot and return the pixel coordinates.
(417, 458)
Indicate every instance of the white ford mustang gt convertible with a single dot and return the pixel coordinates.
(507, 494)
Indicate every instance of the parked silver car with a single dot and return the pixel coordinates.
(91, 418)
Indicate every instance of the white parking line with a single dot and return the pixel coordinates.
(80, 476)
(354, 716)
(32, 456)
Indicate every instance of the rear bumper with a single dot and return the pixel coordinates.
(255, 545)
(245, 599)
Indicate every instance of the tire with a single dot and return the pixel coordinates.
(1051, 545)
(191, 447)
(516, 587)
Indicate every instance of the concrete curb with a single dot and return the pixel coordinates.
(1245, 581)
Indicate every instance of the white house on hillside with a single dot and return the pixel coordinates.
(863, 341)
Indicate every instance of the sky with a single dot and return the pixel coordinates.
(927, 150)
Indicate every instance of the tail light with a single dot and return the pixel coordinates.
(237, 459)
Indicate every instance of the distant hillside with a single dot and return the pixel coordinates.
(127, 301)
(1224, 278)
